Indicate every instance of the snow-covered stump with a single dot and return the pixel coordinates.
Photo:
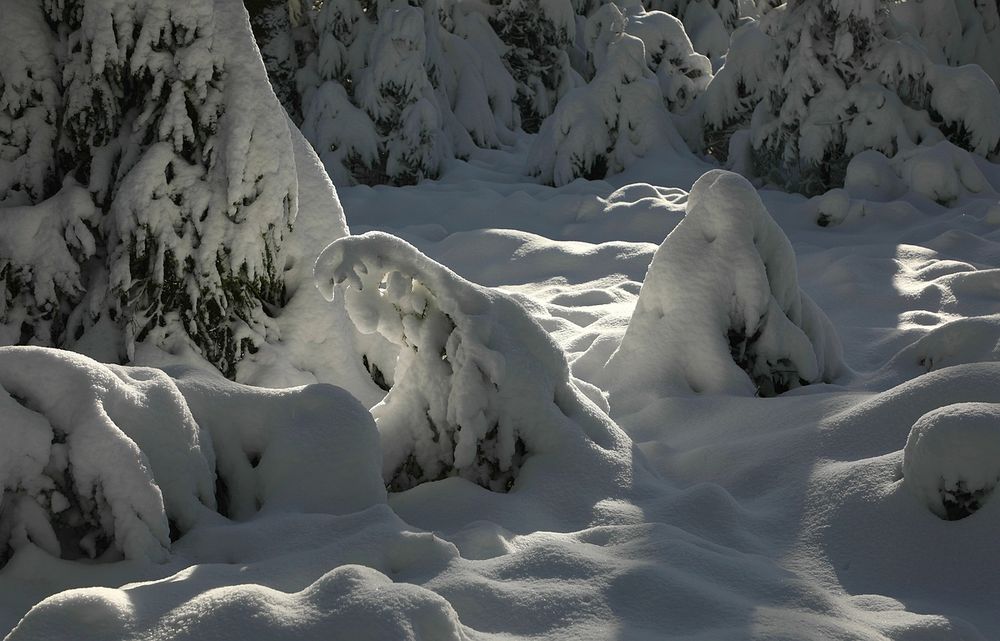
(477, 386)
(951, 462)
(97, 461)
(720, 310)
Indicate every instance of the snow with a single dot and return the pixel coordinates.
(533, 411)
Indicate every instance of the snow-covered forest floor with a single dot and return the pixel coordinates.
(720, 516)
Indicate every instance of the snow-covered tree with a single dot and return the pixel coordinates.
(538, 34)
(164, 117)
(620, 115)
(831, 79)
(720, 310)
(274, 23)
(414, 85)
(708, 23)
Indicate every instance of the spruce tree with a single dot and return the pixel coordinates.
(188, 174)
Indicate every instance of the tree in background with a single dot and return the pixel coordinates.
(816, 82)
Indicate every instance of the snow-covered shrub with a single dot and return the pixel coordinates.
(940, 172)
(476, 386)
(720, 310)
(956, 33)
(106, 461)
(96, 460)
(951, 462)
(164, 115)
(819, 82)
(538, 34)
(708, 23)
(391, 90)
(602, 127)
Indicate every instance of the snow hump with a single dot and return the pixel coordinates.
(475, 386)
(720, 310)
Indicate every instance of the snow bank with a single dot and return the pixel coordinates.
(720, 310)
(951, 462)
(476, 386)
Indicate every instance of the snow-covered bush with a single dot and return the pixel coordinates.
(538, 34)
(602, 127)
(819, 82)
(105, 461)
(955, 33)
(708, 23)
(951, 462)
(96, 460)
(476, 385)
(720, 310)
(163, 114)
(391, 90)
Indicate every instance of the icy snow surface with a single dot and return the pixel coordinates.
(695, 514)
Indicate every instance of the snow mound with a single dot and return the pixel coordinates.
(475, 386)
(96, 459)
(720, 310)
(966, 340)
(951, 462)
(350, 601)
(108, 462)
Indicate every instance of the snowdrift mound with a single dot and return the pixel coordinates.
(476, 385)
(108, 462)
(720, 310)
(951, 462)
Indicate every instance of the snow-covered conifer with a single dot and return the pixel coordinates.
(829, 80)
(720, 310)
(162, 119)
(538, 34)
(708, 23)
(620, 115)
(274, 23)
(416, 85)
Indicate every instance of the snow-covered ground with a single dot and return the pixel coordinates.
(659, 511)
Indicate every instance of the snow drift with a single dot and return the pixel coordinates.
(720, 310)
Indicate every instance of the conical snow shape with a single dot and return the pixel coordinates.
(720, 310)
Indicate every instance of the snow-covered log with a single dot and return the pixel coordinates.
(720, 310)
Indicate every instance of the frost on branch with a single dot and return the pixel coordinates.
(477, 385)
(97, 461)
(720, 310)
(951, 462)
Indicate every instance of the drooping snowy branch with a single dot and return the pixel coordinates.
(477, 385)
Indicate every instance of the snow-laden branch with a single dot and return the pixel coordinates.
(477, 385)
